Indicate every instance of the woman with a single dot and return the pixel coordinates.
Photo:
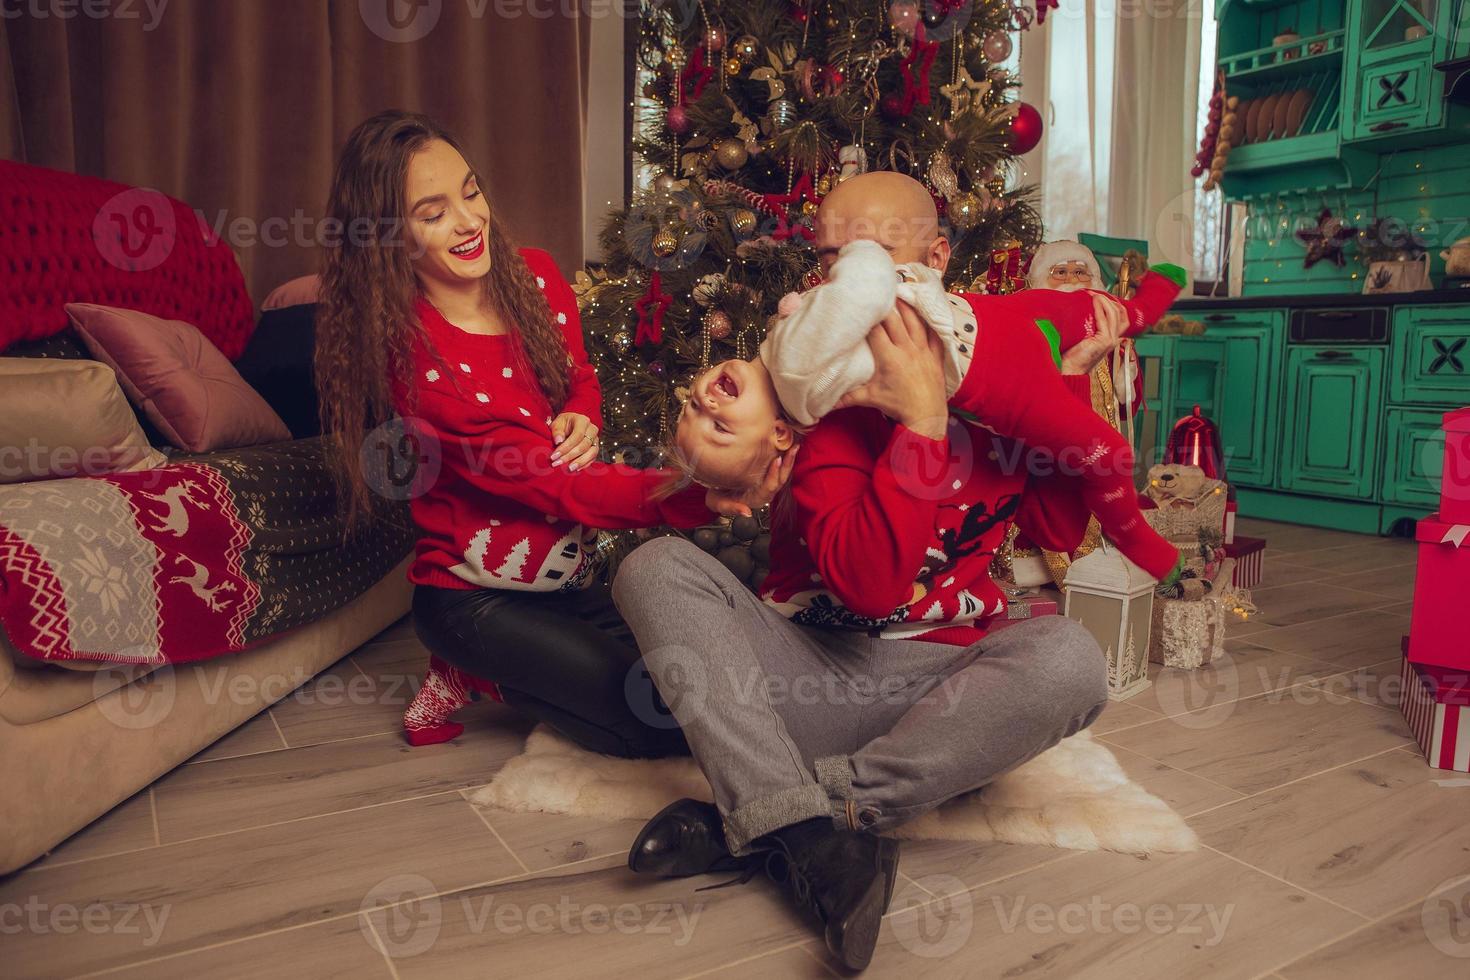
(429, 313)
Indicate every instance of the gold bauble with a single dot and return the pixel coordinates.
(824, 184)
(808, 207)
(742, 222)
(964, 210)
(745, 48)
(664, 183)
(732, 66)
(665, 243)
(719, 324)
(622, 342)
(731, 154)
(996, 186)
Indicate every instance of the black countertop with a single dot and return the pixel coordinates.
(1329, 301)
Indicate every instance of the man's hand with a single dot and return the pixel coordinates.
(576, 441)
(1112, 321)
(732, 503)
(908, 380)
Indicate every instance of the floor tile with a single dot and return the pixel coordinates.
(126, 827)
(256, 790)
(1122, 714)
(1283, 539)
(1185, 792)
(1394, 584)
(941, 867)
(1112, 915)
(1426, 941)
(1370, 836)
(1257, 743)
(605, 923)
(546, 840)
(233, 887)
(1378, 683)
(339, 950)
(1386, 555)
(1244, 670)
(1355, 639)
(1288, 605)
(259, 734)
(796, 963)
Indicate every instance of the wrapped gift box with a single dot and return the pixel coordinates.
(1442, 581)
(1249, 554)
(1187, 633)
(1232, 510)
(1026, 607)
(1454, 487)
(1435, 702)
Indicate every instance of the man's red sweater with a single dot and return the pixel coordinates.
(894, 532)
(493, 512)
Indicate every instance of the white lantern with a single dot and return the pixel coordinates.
(1114, 599)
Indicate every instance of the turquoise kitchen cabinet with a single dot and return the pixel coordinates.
(1178, 374)
(1392, 89)
(1431, 356)
(1333, 409)
(1250, 379)
(1413, 456)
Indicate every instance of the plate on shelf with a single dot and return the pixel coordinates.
(1253, 121)
(1280, 128)
(1242, 121)
(1296, 110)
(1266, 124)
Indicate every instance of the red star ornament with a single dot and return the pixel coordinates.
(651, 308)
(780, 205)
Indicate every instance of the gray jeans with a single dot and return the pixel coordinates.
(791, 722)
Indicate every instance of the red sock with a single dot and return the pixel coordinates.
(445, 690)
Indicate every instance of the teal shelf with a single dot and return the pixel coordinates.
(1286, 61)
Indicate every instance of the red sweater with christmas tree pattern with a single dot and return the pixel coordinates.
(491, 509)
(895, 532)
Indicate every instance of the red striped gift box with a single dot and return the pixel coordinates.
(1435, 702)
(1249, 555)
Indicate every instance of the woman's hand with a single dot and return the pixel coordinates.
(908, 382)
(1112, 321)
(732, 503)
(576, 441)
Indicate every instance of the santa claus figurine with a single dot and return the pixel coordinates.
(1068, 266)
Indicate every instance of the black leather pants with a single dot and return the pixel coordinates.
(564, 658)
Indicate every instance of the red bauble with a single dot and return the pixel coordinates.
(891, 106)
(1194, 441)
(1025, 129)
(678, 119)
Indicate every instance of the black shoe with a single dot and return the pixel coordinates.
(685, 838)
(845, 877)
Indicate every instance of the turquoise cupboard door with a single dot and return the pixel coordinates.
(1334, 409)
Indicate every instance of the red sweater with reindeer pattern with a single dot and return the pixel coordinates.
(895, 532)
(491, 509)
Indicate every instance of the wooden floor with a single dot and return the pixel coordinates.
(314, 843)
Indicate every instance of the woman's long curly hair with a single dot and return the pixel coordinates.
(366, 327)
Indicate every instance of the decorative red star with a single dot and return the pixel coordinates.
(696, 76)
(1326, 241)
(651, 309)
(916, 83)
(780, 204)
(1042, 6)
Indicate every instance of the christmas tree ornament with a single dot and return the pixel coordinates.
(1025, 128)
(731, 154)
(780, 204)
(853, 160)
(665, 183)
(714, 38)
(824, 184)
(964, 210)
(708, 288)
(942, 176)
(665, 243)
(903, 17)
(742, 222)
(783, 114)
(696, 77)
(1004, 275)
(1195, 441)
(1326, 241)
(677, 119)
(719, 324)
(935, 11)
(965, 94)
(811, 279)
(997, 46)
(746, 48)
(733, 66)
(651, 307)
(915, 68)
(622, 342)
(1042, 6)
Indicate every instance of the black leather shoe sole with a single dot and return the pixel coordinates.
(853, 939)
(679, 866)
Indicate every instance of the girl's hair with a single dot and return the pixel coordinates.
(366, 327)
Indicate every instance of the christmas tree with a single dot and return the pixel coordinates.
(751, 112)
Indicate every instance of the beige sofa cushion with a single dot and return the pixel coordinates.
(66, 418)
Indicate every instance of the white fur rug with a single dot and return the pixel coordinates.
(1073, 795)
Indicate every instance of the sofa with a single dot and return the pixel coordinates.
(102, 694)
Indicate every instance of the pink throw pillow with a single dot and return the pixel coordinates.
(305, 289)
(180, 380)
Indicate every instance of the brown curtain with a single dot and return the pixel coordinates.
(238, 106)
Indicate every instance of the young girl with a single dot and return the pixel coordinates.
(429, 313)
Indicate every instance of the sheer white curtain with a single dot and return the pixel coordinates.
(1118, 84)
